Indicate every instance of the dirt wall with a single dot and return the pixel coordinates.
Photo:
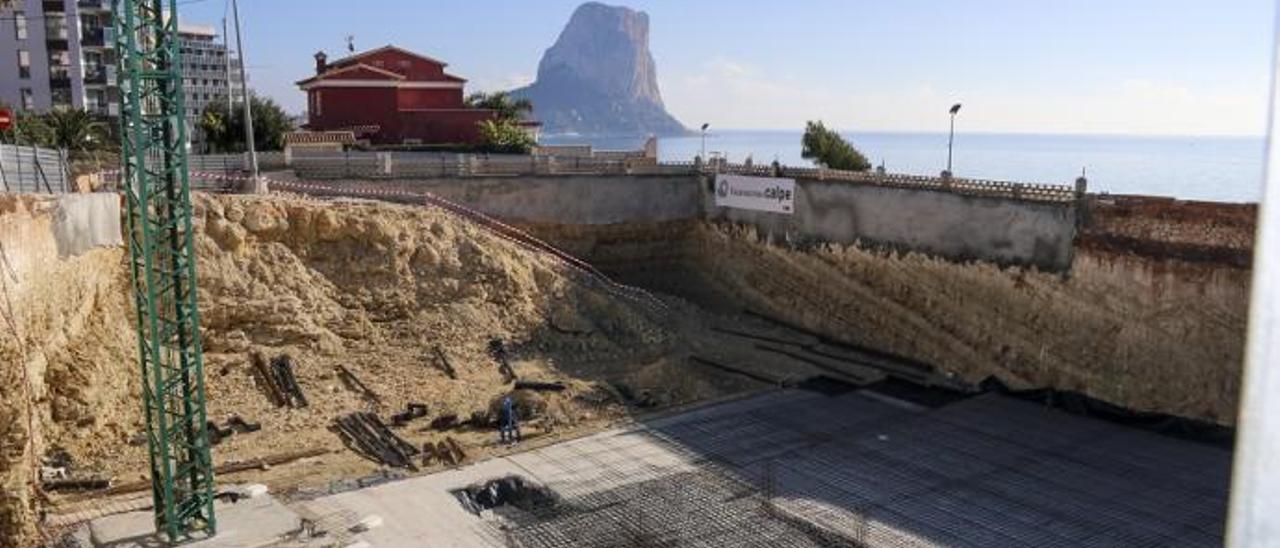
(373, 287)
(1151, 315)
(65, 330)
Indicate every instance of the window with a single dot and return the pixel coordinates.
(60, 59)
(61, 98)
(20, 25)
(24, 63)
(28, 99)
(317, 96)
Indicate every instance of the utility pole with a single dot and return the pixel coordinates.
(226, 59)
(256, 185)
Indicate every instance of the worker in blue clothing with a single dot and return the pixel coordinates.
(508, 422)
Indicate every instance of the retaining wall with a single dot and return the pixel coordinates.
(952, 225)
(564, 199)
(938, 222)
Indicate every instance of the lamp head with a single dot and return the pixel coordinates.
(955, 108)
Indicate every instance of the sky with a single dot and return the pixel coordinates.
(1137, 67)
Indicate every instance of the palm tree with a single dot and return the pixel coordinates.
(75, 130)
(508, 109)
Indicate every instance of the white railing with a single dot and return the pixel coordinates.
(328, 165)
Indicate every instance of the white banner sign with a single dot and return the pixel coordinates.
(756, 193)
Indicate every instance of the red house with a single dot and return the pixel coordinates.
(391, 96)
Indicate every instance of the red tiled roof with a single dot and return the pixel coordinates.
(356, 56)
(334, 71)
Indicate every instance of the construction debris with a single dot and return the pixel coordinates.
(354, 384)
(226, 468)
(447, 452)
(513, 490)
(411, 411)
(76, 484)
(499, 352)
(365, 433)
(442, 361)
(234, 425)
(556, 386)
(278, 381)
(444, 422)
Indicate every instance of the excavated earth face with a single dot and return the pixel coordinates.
(371, 287)
(1151, 317)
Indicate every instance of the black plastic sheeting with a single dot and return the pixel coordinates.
(1080, 404)
(511, 490)
(1068, 401)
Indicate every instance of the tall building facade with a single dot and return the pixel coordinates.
(210, 74)
(58, 54)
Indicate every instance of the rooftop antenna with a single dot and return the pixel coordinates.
(351, 43)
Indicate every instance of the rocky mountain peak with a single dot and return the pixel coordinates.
(599, 76)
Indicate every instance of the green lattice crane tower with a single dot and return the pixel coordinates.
(162, 254)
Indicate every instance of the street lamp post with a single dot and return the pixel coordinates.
(952, 136)
(704, 142)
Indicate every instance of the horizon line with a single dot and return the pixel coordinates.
(1004, 132)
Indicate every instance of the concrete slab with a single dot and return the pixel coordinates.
(797, 469)
(249, 523)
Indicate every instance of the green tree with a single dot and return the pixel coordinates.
(505, 136)
(828, 149)
(224, 132)
(76, 131)
(508, 109)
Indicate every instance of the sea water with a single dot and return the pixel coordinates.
(1225, 169)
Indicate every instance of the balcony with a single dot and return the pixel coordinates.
(104, 109)
(94, 5)
(100, 75)
(98, 37)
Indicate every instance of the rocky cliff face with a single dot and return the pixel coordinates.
(599, 77)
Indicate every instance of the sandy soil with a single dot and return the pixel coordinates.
(371, 287)
(376, 287)
(1150, 317)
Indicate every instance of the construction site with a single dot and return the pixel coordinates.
(897, 361)
(699, 383)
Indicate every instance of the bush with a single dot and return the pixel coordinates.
(504, 136)
(828, 149)
(224, 131)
